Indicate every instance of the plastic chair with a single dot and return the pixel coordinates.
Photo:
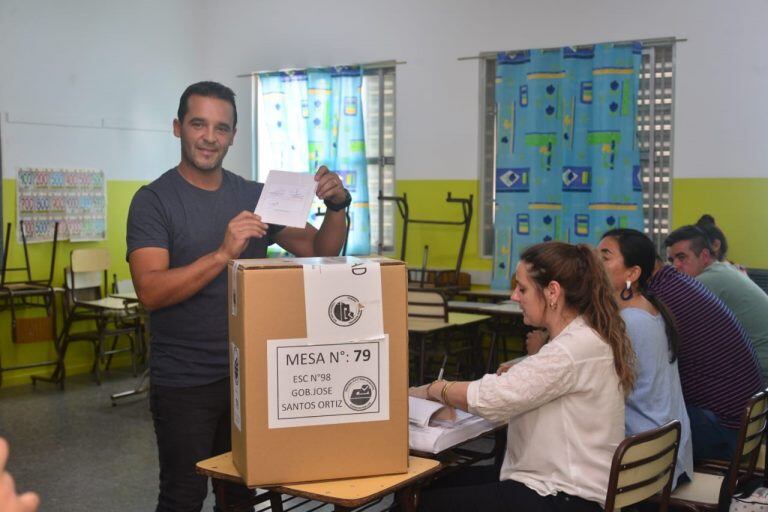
(643, 467)
(712, 488)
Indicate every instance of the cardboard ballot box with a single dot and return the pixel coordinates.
(319, 368)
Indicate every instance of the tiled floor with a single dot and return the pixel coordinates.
(82, 454)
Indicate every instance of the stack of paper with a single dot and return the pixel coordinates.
(434, 427)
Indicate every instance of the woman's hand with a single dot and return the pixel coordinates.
(419, 391)
(535, 340)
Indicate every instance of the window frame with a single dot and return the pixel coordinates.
(385, 163)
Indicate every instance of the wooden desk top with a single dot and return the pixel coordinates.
(126, 296)
(455, 318)
(487, 293)
(349, 492)
(489, 308)
(424, 325)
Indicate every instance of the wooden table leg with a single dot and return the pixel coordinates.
(406, 498)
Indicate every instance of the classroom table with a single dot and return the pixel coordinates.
(477, 294)
(461, 455)
(500, 312)
(344, 494)
(425, 328)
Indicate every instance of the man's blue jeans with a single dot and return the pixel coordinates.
(711, 440)
(191, 424)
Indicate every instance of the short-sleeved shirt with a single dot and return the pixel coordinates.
(717, 362)
(657, 397)
(189, 339)
(747, 301)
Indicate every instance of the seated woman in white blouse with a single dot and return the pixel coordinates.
(629, 258)
(565, 404)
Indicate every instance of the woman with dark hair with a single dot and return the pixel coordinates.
(629, 258)
(565, 404)
(716, 236)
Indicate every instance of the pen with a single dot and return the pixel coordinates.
(442, 368)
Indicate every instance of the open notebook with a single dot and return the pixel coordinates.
(434, 427)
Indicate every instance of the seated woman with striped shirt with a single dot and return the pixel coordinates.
(565, 404)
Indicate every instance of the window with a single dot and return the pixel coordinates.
(655, 102)
(378, 96)
(379, 115)
(654, 136)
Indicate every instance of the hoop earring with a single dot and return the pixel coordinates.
(627, 292)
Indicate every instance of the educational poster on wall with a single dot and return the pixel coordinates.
(76, 198)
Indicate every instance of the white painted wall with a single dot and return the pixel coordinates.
(106, 63)
(93, 83)
(722, 70)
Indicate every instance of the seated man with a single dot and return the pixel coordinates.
(716, 360)
(689, 250)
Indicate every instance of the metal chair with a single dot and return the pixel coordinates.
(86, 299)
(643, 467)
(713, 487)
(26, 293)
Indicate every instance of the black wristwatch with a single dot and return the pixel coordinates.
(338, 207)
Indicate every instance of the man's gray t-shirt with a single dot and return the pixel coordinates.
(189, 339)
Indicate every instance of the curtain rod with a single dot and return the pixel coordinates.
(367, 65)
(646, 42)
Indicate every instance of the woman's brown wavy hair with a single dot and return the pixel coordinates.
(588, 290)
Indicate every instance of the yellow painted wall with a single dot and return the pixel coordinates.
(739, 206)
(426, 200)
(80, 355)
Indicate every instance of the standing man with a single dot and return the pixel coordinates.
(183, 228)
(689, 250)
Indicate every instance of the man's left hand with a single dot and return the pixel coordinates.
(329, 186)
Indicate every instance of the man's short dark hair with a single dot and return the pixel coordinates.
(209, 90)
(697, 236)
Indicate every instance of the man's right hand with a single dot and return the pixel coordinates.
(241, 229)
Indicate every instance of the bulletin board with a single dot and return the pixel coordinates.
(76, 198)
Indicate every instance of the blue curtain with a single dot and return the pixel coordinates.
(567, 162)
(315, 117)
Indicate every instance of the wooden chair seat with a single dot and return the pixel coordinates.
(704, 489)
(713, 487)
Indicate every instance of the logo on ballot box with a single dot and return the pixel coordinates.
(345, 310)
(359, 393)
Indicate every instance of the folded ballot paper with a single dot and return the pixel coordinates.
(434, 427)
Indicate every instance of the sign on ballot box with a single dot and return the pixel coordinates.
(319, 368)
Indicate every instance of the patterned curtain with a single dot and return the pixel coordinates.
(314, 117)
(567, 162)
